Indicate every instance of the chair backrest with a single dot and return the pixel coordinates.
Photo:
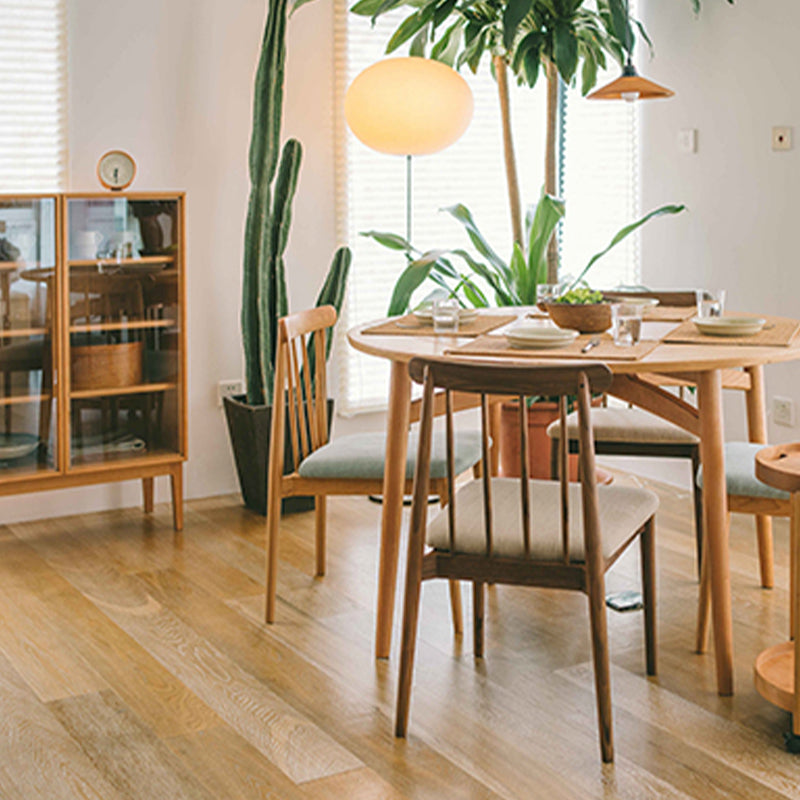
(666, 297)
(489, 378)
(300, 388)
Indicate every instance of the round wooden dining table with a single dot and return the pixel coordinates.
(709, 367)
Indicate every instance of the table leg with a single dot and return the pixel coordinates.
(757, 430)
(715, 502)
(393, 486)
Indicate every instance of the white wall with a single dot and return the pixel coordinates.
(171, 83)
(734, 71)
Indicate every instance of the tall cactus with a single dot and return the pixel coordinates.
(269, 216)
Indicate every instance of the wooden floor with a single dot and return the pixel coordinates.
(134, 665)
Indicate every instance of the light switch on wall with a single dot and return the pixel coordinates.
(781, 138)
(687, 140)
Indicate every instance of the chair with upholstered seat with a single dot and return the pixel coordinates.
(620, 431)
(746, 495)
(519, 531)
(348, 465)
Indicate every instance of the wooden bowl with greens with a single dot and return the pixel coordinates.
(581, 310)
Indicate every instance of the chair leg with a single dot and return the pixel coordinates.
(477, 617)
(453, 585)
(320, 522)
(602, 674)
(766, 559)
(273, 531)
(697, 498)
(554, 458)
(648, 546)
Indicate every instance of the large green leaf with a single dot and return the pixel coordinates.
(391, 240)
(565, 50)
(413, 276)
(549, 212)
(513, 14)
(464, 216)
(626, 231)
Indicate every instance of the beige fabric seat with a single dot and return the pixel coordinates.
(627, 425)
(623, 511)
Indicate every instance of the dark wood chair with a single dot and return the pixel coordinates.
(347, 465)
(519, 531)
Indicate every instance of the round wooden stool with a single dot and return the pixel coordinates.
(777, 669)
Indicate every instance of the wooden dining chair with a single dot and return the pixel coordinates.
(628, 431)
(347, 465)
(746, 495)
(519, 531)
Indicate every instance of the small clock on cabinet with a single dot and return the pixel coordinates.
(116, 170)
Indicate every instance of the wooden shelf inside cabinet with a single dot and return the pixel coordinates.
(118, 391)
(12, 333)
(14, 400)
(98, 327)
(121, 262)
(10, 265)
(96, 461)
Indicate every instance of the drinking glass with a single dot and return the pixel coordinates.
(548, 293)
(626, 323)
(445, 315)
(710, 302)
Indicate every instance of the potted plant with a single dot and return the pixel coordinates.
(264, 295)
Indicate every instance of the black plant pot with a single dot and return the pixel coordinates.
(249, 428)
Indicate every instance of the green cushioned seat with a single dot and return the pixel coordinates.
(362, 456)
(740, 472)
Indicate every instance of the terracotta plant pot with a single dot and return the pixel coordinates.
(589, 318)
(540, 415)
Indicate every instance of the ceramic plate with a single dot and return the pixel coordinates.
(540, 337)
(425, 315)
(17, 445)
(644, 302)
(729, 326)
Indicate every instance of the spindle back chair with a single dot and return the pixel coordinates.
(536, 535)
(301, 382)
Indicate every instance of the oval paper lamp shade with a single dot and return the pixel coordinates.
(408, 106)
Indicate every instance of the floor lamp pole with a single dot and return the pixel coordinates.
(408, 199)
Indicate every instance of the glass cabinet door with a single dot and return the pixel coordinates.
(28, 425)
(123, 358)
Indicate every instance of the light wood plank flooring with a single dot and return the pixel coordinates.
(134, 664)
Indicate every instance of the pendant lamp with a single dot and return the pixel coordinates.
(630, 86)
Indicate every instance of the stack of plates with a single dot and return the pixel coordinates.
(729, 326)
(425, 315)
(539, 336)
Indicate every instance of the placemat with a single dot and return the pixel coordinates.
(605, 351)
(409, 325)
(668, 313)
(778, 332)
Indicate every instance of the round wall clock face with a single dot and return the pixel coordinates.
(116, 170)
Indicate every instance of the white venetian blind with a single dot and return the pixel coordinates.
(600, 181)
(32, 95)
(371, 193)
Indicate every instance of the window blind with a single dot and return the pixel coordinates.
(371, 191)
(600, 185)
(32, 95)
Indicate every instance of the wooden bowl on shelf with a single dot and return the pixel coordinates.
(586, 318)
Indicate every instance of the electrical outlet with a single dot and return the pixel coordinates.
(229, 388)
(781, 138)
(783, 411)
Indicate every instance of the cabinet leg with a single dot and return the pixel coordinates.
(147, 493)
(176, 482)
